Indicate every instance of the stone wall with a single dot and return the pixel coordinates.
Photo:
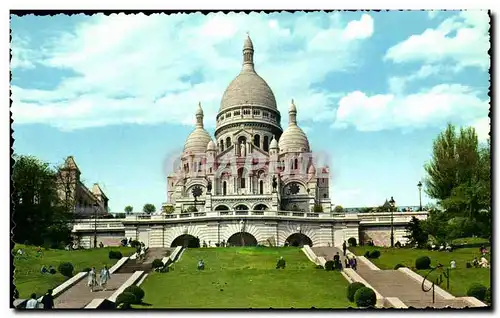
(381, 235)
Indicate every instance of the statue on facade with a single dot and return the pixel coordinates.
(209, 186)
(275, 184)
(242, 149)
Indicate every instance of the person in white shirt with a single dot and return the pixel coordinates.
(32, 303)
(453, 264)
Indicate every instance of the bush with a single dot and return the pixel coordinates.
(398, 266)
(374, 254)
(352, 289)
(125, 298)
(66, 269)
(157, 263)
(135, 243)
(477, 290)
(365, 297)
(319, 267)
(398, 244)
(115, 254)
(137, 291)
(367, 254)
(423, 262)
(487, 296)
(352, 242)
(86, 269)
(329, 265)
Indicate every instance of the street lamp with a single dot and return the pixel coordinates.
(95, 224)
(419, 185)
(242, 224)
(393, 204)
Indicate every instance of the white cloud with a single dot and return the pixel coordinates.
(136, 68)
(397, 84)
(432, 14)
(463, 39)
(434, 107)
(483, 128)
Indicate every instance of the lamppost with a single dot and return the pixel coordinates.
(242, 224)
(95, 224)
(300, 242)
(419, 186)
(392, 203)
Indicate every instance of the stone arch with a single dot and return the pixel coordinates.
(186, 240)
(256, 140)
(299, 240)
(250, 228)
(221, 207)
(173, 232)
(241, 207)
(242, 239)
(260, 207)
(291, 228)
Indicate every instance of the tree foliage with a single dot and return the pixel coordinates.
(415, 233)
(39, 214)
(149, 208)
(129, 209)
(168, 209)
(459, 178)
(338, 208)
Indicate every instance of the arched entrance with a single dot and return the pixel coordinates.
(299, 240)
(242, 239)
(186, 240)
(241, 207)
(222, 207)
(261, 207)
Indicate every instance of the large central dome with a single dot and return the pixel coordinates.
(248, 88)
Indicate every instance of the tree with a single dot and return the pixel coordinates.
(415, 234)
(338, 208)
(128, 209)
(149, 208)
(168, 209)
(39, 215)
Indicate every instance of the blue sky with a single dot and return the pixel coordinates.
(372, 90)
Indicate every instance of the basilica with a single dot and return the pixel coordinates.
(250, 163)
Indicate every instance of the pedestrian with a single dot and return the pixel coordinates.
(344, 247)
(92, 280)
(48, 300)
(32, 303)
(105, 276)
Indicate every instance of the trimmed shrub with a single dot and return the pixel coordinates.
(319, 267)
(66, 269)
(329, 265)
(365, 297)
(137, 291)
(398, 266)
(398, 244)
(487, 296)
(423, 262)
(157, 263)
(367, 254)
(86, 269)
(477, 290)
(125, 298)
(352, 289)
(374, 254)
(115, 254)
(352, 242)
(135, 243)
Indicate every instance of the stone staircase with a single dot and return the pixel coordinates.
(133, 265)
(394, 283)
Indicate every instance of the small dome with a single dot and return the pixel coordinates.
(211, 146)
(248, 43)
(293, 140)
(199, 111)
(197, 141)
(274, 144)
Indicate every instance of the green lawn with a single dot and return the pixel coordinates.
(460, 278)
(245, 278)
(27, 276)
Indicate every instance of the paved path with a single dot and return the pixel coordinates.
(79, 295)
(394, 283)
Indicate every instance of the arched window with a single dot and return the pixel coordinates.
(266, 143)
(221, 145)
(224, 188)
(296, 166)
(228, 142)
(256, 140)
(261, 187)
(241, 178)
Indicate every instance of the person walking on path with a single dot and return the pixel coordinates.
(92, 279)
(48, 300)
(344, 247)
(32, 303)
(105, 276)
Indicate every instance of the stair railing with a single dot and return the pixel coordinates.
(438, 281)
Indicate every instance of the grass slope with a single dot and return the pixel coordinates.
(27, 276)
(460, 278)
(245, 278)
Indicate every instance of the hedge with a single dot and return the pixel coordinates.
(423, 262)
(374, 254)
(477, 290)
(115, 255)
(137, 291)
(157, 263)
(365, 297)
(66, 269)
(329, 265)
(352, 289)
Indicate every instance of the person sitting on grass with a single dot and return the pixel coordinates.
(39, 251)
(44, 270)
(484, 262)
(453, 264)
(201, 265)
(52, 270)
(475, 262)
(281, 263)
(20, 253)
